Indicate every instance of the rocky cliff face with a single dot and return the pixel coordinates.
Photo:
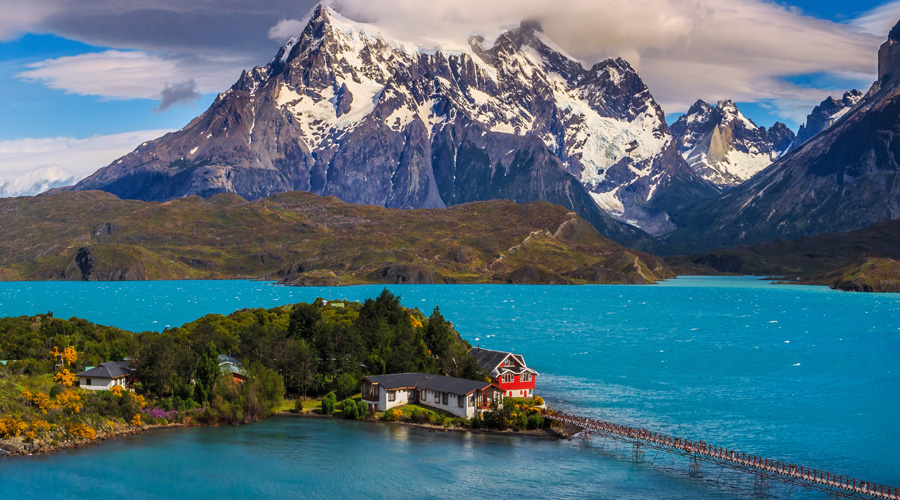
(724, 146)
(842, 179)
(348, 110)
(825, 115)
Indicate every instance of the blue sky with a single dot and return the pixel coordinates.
(82, 82)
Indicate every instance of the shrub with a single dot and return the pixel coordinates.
(348, 409)
(362, 409)
(538, 401)
(393, 415)
(328, 403)
(56, 390)
(477, 422)
(298, 406)
(535, 422)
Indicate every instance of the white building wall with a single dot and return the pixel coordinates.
(452, 405)
(99, 384)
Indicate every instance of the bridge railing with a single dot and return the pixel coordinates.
(733, 456)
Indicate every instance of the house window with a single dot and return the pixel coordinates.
(392, 395)
(507, 362)
(508, 378)
(459, 400)
(87, 381)
(446, 398)
(526, 377)
(471, 400)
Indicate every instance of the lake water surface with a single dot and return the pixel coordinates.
(802, 374)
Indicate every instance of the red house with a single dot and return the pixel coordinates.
(508, 371)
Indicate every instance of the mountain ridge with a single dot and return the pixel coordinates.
(843, 179)
(340, 110)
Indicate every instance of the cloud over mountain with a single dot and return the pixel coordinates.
(31, 166)
(685, 49)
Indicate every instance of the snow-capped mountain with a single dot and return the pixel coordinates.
(825, 115)
(842, 179)
(726, 147)
(349, 110)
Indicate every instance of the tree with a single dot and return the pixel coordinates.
(345, 385)
(303, 321)
(207, 372)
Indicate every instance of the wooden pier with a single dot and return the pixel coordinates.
(762, 468)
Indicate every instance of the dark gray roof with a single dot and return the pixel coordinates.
(110, 369)
(488, 359)
(438, 383)
(224, 358)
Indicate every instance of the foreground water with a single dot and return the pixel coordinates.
(802, 374)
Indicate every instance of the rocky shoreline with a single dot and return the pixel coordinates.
(17, 447)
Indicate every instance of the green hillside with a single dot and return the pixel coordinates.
(305, 239)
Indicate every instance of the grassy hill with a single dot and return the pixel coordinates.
(862, 260)
(305, 239)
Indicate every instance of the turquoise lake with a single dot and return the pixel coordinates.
(801, 374)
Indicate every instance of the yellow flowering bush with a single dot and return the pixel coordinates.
(65, 377)
(80, 430)
(11, 428)
(70, 401)
(136, 420)
(43, 402)
(69, 355)
(116, 390)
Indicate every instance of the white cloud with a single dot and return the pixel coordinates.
(286, 28)
(30, 166)
(17, 17)
(117, 74)
(879, 20)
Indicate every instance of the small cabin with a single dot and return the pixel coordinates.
(461, 397)
(106, 375)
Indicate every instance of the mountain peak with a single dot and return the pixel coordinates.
(889, 55)
(895, 32)
(723, 145)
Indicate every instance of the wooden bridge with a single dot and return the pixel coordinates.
(763, 469)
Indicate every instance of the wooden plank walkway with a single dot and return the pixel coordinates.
(764, 468)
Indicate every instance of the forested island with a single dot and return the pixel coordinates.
(293, 357)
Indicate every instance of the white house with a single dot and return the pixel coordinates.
(458, 396)
(105, 375)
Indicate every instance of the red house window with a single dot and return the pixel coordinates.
(508, 378)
